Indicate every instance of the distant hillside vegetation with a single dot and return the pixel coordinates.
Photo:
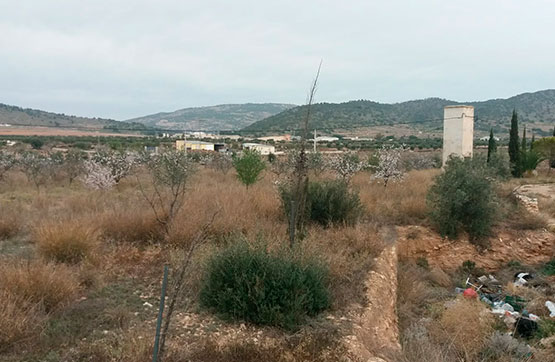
(33, 117)
(538, 107)
(224, 117)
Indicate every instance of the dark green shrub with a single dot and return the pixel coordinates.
(328, 202)
(252, 284)
(36, 143)
(422, 262)
(549, 268)
(463, 198)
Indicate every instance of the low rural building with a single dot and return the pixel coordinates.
(285, 138)
(186, 145)
(263, 149)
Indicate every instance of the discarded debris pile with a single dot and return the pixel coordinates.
(506, 302)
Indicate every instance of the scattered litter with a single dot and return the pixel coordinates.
(533, 317)
(522, 278)
(509, 321)
(551, 306)
(470, 293)
(526, 327)
(507, 307)
(459, 290)
(483, 279)
(515, 301)
(147, 304)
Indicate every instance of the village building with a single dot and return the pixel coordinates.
(187, 145)
(263, 149)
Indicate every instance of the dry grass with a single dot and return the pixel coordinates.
(466, 326)
(400, 203)
(19, 319)
(525, 220)
(135, 223)
(547, 206)
(66, 241)
(349, 252)
(248, 212)
(48, 285)
(10, 221)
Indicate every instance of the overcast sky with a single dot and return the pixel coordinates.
(127, 58)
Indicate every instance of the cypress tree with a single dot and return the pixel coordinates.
(492, 145)
(532, 141)
(514, 149)
(524, 139)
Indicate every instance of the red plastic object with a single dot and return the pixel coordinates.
(470, 293)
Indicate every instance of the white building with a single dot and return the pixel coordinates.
(458, 131)
(263, 149)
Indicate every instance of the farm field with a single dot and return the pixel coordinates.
(55, 131)
(82, 267)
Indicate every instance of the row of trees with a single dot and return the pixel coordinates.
(523, 157)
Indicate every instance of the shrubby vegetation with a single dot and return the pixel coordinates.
(249, 166)
(328, 202)
(272, 288)
(463, 198)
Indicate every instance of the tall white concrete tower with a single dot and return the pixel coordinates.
(458, 131)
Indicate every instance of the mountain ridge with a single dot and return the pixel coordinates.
(534, 107)
(19, 116)
(223, 117)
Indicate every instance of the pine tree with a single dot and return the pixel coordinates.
(492, 145)
(514, 149)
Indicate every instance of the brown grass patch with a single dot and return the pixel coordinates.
(10, 221)
(526, 220)
(135, 224)
(401, 203)
(66, 241)
(48, 285)
(19, 319)
(465, 325)
(248, 212)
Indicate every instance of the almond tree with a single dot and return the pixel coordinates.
(120, 164)
(389, 165)
(7, 161)
(346, 165)
(97, 176)
(36, 168)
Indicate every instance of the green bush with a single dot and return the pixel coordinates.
(463, 198)
(249, 166)
(252, 284)
(328, 202)
(549, 268)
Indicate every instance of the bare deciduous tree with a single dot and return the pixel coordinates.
(300, 184)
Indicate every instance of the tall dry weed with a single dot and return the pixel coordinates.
(66, 241)
(47, 285)
(466, 325)
(19, 319)
(401, 203)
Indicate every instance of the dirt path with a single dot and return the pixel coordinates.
(375, 327)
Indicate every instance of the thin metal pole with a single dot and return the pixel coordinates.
(160, 314)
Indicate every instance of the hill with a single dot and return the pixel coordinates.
(14, 115)
(223, 117)
(534, 109)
